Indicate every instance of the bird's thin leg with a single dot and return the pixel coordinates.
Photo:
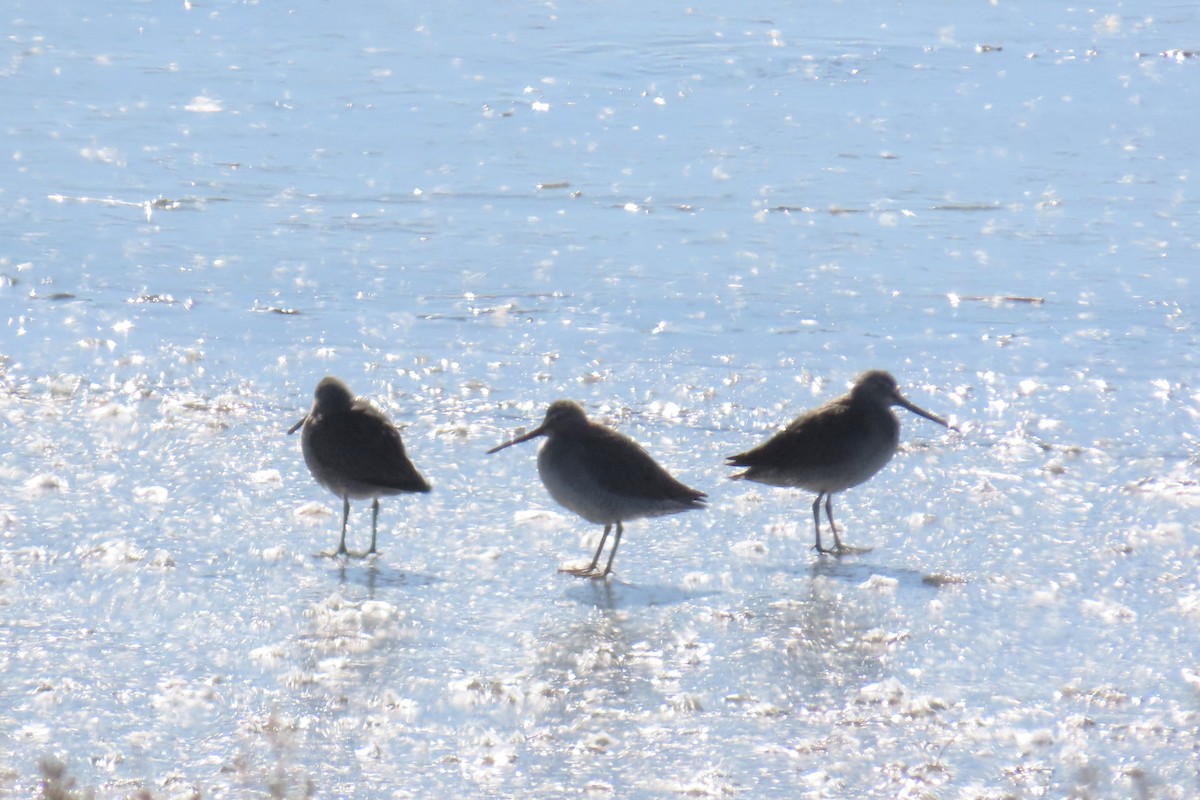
(612, 553)
(817, 522)
(590, 569)
(341, 551)
(838, 547)
(374, 524)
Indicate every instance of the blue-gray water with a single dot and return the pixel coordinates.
(697, 220)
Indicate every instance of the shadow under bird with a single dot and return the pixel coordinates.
(352, 450)
(603, 476)
(838, 445)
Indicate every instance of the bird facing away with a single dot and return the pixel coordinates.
(352, 450)
(833, 447)
(603, 476)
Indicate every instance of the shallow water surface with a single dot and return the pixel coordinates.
(698, 222)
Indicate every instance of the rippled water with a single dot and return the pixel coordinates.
(697, 221)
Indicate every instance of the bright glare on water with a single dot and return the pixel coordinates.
(697, 221)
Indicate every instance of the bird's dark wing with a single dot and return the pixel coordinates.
(813, 440)
(620, 465)
(365, 446)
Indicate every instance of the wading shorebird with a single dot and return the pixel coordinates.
(352, 450)
(831, 448)
(603, 476)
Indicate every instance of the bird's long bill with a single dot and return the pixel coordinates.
(296, 427)
(533, 434)
(920, 412)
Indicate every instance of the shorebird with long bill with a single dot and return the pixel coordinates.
(354, 451)
(834, 447)
(603, 476)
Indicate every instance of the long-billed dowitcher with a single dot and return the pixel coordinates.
(831, 448)
(352, 450)
(603, 476)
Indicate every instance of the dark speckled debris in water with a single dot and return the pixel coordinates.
(940, 579)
